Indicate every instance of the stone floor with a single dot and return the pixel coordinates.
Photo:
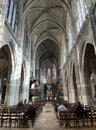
(47, 121)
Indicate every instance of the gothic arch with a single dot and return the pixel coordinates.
(89, 69)
(44, 39)
(82, 48)
(65, 5)
(6, 67)
(47, 54)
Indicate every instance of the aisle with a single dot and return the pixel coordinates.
(47, 119)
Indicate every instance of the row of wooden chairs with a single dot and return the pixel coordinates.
(9, 119)
(12, 117)
(69, 118)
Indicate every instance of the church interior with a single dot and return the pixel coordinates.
(47, 55)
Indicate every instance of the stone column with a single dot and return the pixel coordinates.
(59, 76)
(2, 18)
(0, 87)
(37, 74)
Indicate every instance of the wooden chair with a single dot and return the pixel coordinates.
(63, 120)
(88, 117)
(71, 118)
(23, 123)
(94, 116)
(5, 119)
(0, 115)
(14, 117)
(79, 119)
(32, 119)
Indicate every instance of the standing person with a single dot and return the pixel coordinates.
(25, 101)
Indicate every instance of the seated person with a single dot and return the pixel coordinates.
(57, 105)
(20, 106)
(31, 111)
(61, 108)
(79, 110)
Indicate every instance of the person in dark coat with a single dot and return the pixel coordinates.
(31, 113)
(79, 110)
(31, 110)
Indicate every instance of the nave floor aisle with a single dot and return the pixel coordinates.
(47, 121)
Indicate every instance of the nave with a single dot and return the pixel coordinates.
(47, 120)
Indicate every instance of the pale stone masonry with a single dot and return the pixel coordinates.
(37, 36)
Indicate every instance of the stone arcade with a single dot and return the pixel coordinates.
(41, 39)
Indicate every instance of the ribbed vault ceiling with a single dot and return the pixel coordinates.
(47, 55)
(46, 19)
